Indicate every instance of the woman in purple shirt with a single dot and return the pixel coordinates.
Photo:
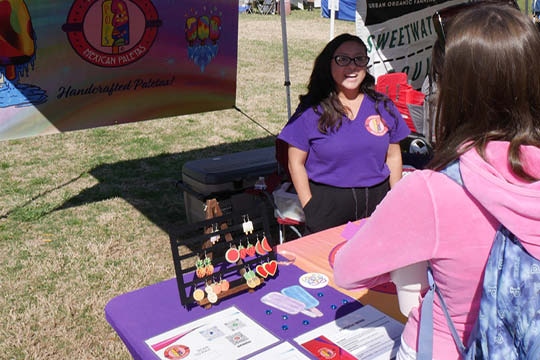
(344, 152)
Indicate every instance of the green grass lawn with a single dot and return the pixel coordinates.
(86, 216)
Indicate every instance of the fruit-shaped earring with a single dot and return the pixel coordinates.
(224, 285)
(250, 249)
(232, 255)
(261, 271)
(201, 271)
(216, 286)
(259, 248)
(198, 295)
(242, 251)
(209, 268)
(252, 279)
(265, 244)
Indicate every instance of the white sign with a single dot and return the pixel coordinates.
(399, 44)
(333, 5)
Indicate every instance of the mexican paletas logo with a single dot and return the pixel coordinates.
(112, 33)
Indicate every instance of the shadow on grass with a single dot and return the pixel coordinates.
(148, 184)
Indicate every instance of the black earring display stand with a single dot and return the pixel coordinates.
(192, 238)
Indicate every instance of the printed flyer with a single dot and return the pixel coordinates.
(283, 351)
(366, 334)
(227, 334)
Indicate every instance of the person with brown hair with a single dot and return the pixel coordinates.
(343, 153)
(488, 120)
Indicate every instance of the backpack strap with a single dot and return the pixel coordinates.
(453, 172)
(425, 333)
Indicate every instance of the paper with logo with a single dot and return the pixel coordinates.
(224, 335)
(283, 351)
(325, 349)
(365, 333)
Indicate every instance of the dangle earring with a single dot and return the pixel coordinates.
(270, 267)
(247, 225)
(224, 284)
(250, 249)
(252, 279)
(208, 267)
(265, 244)
(242, 250)
(212, 296)
(232, 255)
(216, 286)
(215, 238)
(198, 295)
(201, 270)
(259, 248)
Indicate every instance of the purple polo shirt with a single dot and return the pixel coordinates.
(354, 155)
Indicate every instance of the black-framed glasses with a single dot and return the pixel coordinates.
(442, 16)
(344, 60)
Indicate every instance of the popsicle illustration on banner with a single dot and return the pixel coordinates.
(17, 52)
(115, 24)
(207, 30)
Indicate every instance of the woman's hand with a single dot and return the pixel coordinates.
(297, 169)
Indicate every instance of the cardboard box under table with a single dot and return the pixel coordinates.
(225, 178)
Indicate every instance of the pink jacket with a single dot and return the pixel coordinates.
(427, 216)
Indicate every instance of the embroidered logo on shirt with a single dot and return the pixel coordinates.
(375, 125)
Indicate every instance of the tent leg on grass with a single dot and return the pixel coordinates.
(285, 56)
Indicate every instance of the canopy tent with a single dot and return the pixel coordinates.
(347, 10)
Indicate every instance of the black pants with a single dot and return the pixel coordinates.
(332, 206)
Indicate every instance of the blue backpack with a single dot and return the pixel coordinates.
(508, 324)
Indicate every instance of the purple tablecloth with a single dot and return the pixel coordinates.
(150, 311)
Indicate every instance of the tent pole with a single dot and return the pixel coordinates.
(332, 17)
(285, 55)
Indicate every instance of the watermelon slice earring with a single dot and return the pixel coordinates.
(265, 244)
(259, 248)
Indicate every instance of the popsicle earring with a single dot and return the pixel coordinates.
(215, 238)
(247, 225)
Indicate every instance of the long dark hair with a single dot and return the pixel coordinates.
(322, 88)
(490, 89)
